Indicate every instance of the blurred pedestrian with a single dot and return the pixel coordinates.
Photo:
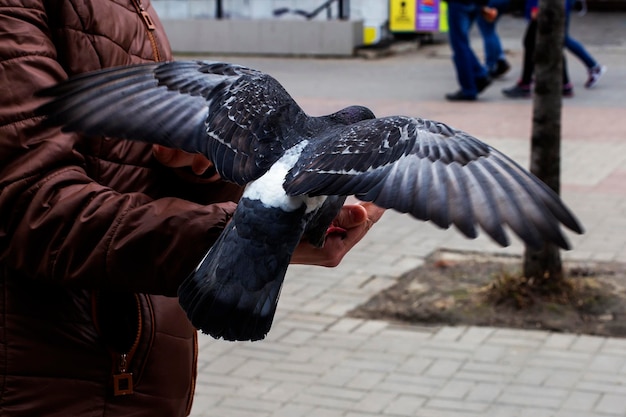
(472, 76)
(594, 69)
(495, 60)
(522, 89)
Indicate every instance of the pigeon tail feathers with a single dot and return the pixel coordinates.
(234, 291)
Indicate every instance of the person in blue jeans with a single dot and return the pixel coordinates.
(594, 69)
(522, 89)
(495, 60)
(472, 76)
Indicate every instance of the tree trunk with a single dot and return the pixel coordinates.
(543, 267)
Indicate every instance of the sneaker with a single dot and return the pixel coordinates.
(595, 74)
(501, 68)
(460, 96)
(517, 91)
(568, 90)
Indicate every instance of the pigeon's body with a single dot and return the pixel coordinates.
(297, 171)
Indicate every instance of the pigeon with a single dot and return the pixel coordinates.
(297, 171)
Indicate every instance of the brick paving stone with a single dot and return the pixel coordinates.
(345, 325)
(447, 404)
(554, 363)
(586, 343)
(284, 390)
(607, 363)
(559, 341)
(375, 402)
(611, 404)
(202, 402)
(336, 392)
(581, 401)
(526, 401)
(533, 391)
(443, 368)
(475, 335)
(405, 405)
(438, 412)
(490, 368)
(372, 327)
(601, 387)
(441, 352)
(248, 404)
(403, 388)
(615, 346)
(486, 377)
(250, 368)
(484, 392)
(562, 379)
(534, 412)
(534, 376)
(232, 412)
(293, 410)
(489, 354)
(454, 389)
(298, 337)
(305, 368)
(366, 380)
(447, 333)
(325, 412)
(339, 376)
(322, 401)
(416, 365)
(360, 414)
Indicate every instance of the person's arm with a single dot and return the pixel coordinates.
(56, 223)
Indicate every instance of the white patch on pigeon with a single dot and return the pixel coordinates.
(269, 190)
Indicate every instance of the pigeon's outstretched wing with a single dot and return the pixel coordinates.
(238, 117)
(433, 172)
(297, 170)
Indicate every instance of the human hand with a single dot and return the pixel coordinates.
(534, 12)
(175, 158)
(489, 14)
(354, 221)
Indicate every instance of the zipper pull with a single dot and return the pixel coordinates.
(123, 380)
(147, 20)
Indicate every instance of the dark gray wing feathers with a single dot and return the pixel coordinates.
(435, 173)
(234, 115)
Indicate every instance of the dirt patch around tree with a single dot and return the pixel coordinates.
(464, 288)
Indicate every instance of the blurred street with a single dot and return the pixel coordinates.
(317, 362)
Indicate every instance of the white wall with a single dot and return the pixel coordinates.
(373, 13)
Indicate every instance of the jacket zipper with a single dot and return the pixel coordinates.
(122, 375)
(149, 23)
(195, 373)
(123, 378)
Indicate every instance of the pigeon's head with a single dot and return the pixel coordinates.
(352, 114)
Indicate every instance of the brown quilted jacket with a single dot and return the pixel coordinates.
(95, 235)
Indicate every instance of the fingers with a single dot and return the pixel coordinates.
(352, 215)
(356, 220)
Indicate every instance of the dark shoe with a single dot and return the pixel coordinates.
(501, 68)
(482, 83)
(460, 96)
(568, 90)
(517, 91)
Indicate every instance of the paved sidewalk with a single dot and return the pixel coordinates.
(317, 362)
